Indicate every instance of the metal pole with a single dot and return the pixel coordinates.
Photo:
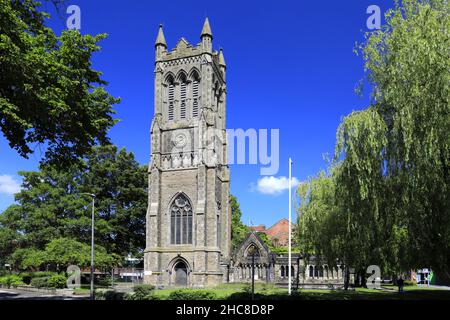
(92, 248)
(290, 222)
(253, 275)
(112, 278)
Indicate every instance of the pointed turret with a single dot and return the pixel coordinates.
(160, 39)
(206, 37)
(222, 65)
(160, 43)
(206, 31)
(221, 59)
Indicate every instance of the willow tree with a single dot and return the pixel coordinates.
(395, 156)
(386, 200)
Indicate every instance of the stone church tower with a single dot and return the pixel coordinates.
(188, 231)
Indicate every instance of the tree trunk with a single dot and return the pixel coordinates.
(346, 278)
(363, 279)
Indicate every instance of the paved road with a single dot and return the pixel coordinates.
(433, 286)
(11, 294)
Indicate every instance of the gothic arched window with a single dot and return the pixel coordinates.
(195, 93)
(170, 97)
(182, 79)
(181, 221)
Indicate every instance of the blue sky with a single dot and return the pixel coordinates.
(290, 66)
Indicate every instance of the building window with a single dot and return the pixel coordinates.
(181, 221)
(282, 271)
(195, 98)
(171, 101)
(183, 100)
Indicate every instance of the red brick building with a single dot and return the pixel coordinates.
(278, 233)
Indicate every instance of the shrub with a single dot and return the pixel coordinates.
(192, 294)
(142, 292)
(11, 281)
(26, 277)
(40, 282)
(109, 295)
(103, 281)
(43, 274)
(57, 281)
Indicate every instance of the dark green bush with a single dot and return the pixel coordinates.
(192, 294)
(110, 295)
(57, 281)
(102, 281)
(142, 292)
(40, 282)
(42, 274)
(26, 277)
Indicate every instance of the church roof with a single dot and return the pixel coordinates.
(160, 39)
(182, 43)
(206, 31)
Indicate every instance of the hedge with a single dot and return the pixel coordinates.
(192, 294)
(142, 292)
(57, 281)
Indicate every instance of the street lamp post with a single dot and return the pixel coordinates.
(92, 244)
(290, 227)
(252, 251)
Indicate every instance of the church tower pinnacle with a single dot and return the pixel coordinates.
(206, 36)
(160, 43)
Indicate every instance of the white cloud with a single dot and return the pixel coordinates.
(8, 185)
(274, 186)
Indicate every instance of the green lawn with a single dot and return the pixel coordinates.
(226, 291)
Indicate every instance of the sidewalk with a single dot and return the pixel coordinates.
(433, 287)
(19, 294)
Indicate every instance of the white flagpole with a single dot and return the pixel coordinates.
(290, 223)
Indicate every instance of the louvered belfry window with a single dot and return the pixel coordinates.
(195, 98)
(181, 221)
(171, 101)
(183, 101)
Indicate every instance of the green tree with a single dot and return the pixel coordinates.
(61, 253)
(238, 229)
(49, 93)
(64, 252)
(51, 205)
(387, 199)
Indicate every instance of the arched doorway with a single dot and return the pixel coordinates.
(180, 270)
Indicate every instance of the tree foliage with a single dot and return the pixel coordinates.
(238, 229)
(51, 205)
(61, 253)
(49, 93)
(386, 200)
